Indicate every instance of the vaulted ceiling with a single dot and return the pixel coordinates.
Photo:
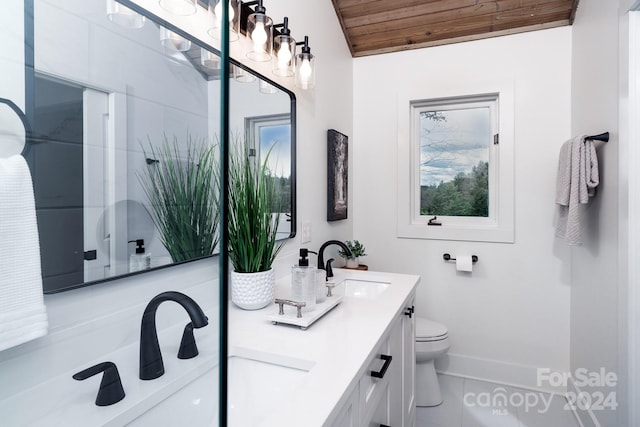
(379, 26)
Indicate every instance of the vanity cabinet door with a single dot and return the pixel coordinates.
(409, 367)
(384, 404)
(382, 413)
(349, 415)
(395, 390)
(381, 367)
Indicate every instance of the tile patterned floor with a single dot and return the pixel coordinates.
(472, 403)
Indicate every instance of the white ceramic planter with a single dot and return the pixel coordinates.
(353, 263)
(252, 291)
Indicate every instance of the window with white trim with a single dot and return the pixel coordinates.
(460, 167)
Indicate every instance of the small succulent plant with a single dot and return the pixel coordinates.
(357, 250)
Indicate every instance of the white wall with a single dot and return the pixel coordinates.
(594, 266)
(512, 314)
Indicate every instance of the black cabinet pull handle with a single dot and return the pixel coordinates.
(110, 390)
(409, 311)
(384, 425)
(381, 372)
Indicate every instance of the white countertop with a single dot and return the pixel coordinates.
(338, 345)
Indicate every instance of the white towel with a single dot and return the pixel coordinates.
(577, 180)
(23, 315)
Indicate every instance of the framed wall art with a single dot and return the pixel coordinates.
(337, 175)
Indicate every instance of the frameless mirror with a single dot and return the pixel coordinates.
(103, 96)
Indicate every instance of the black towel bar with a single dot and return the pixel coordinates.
(601, 137)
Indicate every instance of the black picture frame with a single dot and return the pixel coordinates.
(337, 175)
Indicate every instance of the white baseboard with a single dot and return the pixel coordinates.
(495, 371)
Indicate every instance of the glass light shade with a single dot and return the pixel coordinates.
(305, 71)
(260, 31)
(215, 20)
(209, 59)
(123, 16)
(173, 41)
(266, 87)
(241, 75)
(180, 7)
(284, 50)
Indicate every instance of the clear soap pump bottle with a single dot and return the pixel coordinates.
(303, 281)
(140, 260)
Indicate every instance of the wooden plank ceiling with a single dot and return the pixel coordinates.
(379, 26)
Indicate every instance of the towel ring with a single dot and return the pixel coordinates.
(24, 120)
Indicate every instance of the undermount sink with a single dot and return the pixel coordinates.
(256, 383)
(357, 288)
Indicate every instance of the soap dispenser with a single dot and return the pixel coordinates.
(303, 281)
(140, 260)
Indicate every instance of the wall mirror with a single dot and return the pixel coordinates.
(102, 97)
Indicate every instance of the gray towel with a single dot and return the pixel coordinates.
(576, 182)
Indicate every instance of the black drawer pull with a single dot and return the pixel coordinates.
(387, 362)
(384, 425)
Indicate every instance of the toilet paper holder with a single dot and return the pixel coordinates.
(447, 257)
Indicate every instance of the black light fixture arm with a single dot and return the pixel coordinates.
(259, 8)
(285, 27)
(305, 45)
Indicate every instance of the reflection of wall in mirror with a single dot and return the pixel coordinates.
(162, 93)
(247, 101)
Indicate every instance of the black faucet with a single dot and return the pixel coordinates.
(327, 267)
(151, 365)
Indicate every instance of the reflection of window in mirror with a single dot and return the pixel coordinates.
(270, 140)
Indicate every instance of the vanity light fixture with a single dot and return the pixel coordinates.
(285, 51)
(180, 7)
(267, 88)
(305, 67)
(241, 75)
(209, 59)
(123, 16)
(260, 33)
(173, 41)
(215, 19)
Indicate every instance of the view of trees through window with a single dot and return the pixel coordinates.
(275, 139)
(454, 161)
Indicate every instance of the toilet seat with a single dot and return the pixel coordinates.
(428, 330)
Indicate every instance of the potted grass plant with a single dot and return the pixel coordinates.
(181, 185)
(252, 226)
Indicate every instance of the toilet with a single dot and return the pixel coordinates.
(432, 341)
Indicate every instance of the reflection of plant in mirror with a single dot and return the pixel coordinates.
(183, 191)
(357, 250)
(253, 222)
